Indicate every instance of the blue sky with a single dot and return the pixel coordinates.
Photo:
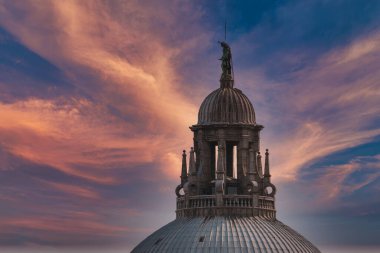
(96, 98)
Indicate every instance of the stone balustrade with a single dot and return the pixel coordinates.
(232, 205)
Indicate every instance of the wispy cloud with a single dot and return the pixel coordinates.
(127, 109)
(329, 106)
(75, 190)
(135, 72)
(70, 136)
(338, 181)
(129, 78)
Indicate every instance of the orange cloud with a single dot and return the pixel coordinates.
(330, 107)
(136, 76)
(65, 137)
(134, 65)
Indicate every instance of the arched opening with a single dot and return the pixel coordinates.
(216, 148)
(213, 159)
(234, 163)
(231, 159)
(231, 154)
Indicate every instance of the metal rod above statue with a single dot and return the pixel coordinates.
(226, 79)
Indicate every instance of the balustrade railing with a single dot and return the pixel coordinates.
(246, 205)
(237, 201)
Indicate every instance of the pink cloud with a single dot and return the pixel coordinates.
(65, 136)
(131, 54)
(328, 107)
(75, 190)
(136, 74)
(332, 183)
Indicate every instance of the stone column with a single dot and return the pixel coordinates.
(242, 156)
(221, 169)
(222, 142)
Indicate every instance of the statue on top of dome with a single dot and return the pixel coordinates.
(226, 61)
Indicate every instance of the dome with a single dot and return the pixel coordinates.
(225, 234)
(226, 106)
(225, 200)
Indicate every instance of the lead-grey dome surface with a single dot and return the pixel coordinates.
(225, 234)
(226, 106)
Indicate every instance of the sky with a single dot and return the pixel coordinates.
(96, 100)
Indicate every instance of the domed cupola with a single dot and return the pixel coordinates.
(226, 106)
(225, 199)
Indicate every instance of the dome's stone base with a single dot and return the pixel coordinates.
(225, 234)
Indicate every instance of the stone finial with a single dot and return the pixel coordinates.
(184, 168)
(259, 164)
(266, 172)
(192, 168)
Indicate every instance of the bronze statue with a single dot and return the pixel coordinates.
(226, 61)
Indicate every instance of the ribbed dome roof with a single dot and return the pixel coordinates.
(226, 106)
(225, 234)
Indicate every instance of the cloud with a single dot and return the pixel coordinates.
(59, 231)
(329, 106)
(75, 190)
(340, 180)
(113, 50)
(119, 126)
(62, 225)
(130, 73)
(71, 136)
(135, 69)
